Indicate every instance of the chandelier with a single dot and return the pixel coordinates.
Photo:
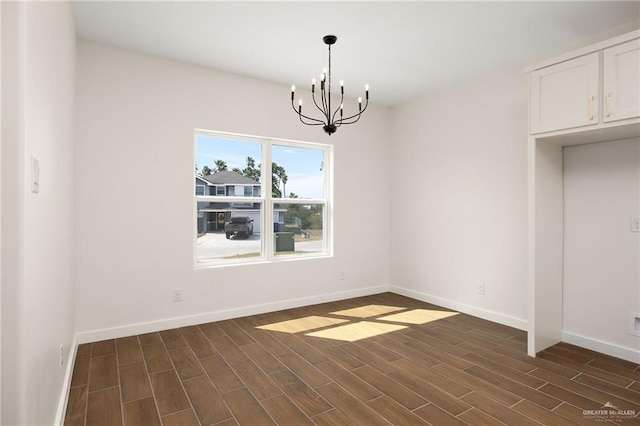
(329, 122)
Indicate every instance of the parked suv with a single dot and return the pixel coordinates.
(240, 226)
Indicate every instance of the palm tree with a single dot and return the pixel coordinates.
(221, 165)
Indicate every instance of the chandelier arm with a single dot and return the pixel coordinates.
(358, 114)
(350, 122)
(325, 105)
(318, 122)
(333, 117)
(313, 96)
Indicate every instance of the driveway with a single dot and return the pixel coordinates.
(216, 245)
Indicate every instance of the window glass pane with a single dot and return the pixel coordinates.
(200, 190)
(228, 163)
(297, 172)
(228, 231)
(298, 229)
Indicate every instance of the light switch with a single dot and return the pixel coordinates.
(35, 175)
(635, 224)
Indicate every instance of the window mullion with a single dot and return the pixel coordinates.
(268, 238)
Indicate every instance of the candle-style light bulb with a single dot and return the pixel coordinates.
(366, 91)
(293, 91)
(299, 106)
(342, 87)
(341, 108)
(313, 85)
(360, 103)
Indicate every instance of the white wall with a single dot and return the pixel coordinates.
(601, 254)
(38, 294)
(459, 161)
(136, 118)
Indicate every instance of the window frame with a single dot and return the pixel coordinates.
(267, 202)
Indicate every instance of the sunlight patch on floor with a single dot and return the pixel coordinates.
(368, 311)
(357, 331)
(302, 324)
(418, 316)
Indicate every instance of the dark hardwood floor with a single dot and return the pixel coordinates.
(376, 360)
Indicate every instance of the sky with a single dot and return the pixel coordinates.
(303, 165)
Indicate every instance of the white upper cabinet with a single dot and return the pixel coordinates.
(621, 84)
(565, 95)
(588, 94)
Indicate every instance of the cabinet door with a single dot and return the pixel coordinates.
(622, 81)
(565, 95)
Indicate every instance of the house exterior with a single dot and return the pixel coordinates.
(213, 215)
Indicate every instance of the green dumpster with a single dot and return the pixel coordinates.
(284, 241)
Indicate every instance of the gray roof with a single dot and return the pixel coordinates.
(229, 178)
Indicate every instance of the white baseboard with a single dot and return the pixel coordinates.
(66, 383)
(166, 324)
(519, 323)
(607, 348)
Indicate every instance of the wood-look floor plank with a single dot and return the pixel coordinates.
(246, 409)
(150, 339)
(514, 387)
(309, 401)
(76, 406)
(542, 415)
(228, 349)
(331, 418)
(185, 363)
(168, 392)
(104, 347)
(263, 358)
(235, 333)
(206, 401)
(428, 375)
(134, 381)
(103, 372)
(356, 411)
(430, 392)
(255, 380)
(141, 412)
(586, 391)
(349, 381)
(495, 392)
(608, 376)
(173, 339)
(199, 344)
(104, 408)
(437, 416)
(401, 394)
(211, 330)
(576, 415)
(503, 370)
(621, 392)
(285, 412)
(182, 418)
(497, 410)
(128, 350)
(80, 376)
(476, 417)
(307, 372)
(221, 374)
(367, 357)
(393, 412)
(156, 357)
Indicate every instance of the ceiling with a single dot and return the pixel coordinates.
(401, 49)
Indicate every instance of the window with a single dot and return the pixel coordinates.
(260, 216)
(200, 190)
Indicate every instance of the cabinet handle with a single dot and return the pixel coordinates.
(591, 99)
(608, 104)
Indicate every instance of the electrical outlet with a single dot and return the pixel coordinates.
(635, 224)
(177, 295)
(481, 289)
(61, 355)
